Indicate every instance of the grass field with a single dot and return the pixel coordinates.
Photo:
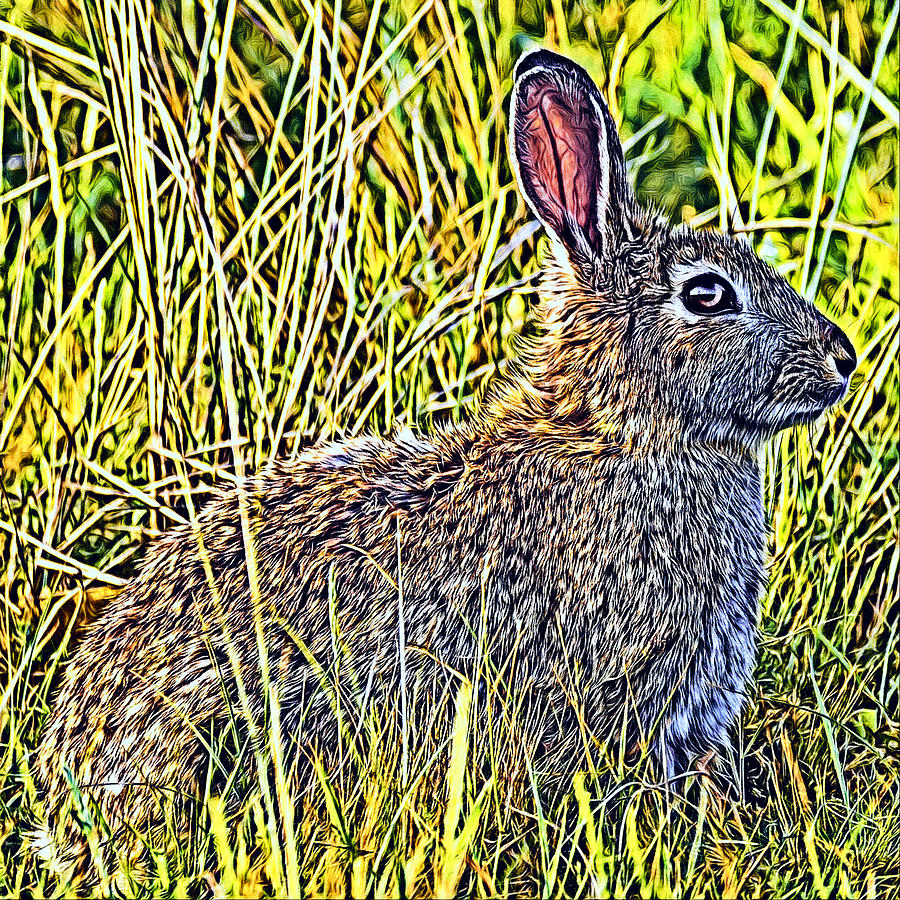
(232, 228)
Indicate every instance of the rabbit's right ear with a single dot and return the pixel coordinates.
(567, 155)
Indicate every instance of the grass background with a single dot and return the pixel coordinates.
(230, 228)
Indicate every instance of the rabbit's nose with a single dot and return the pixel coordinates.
(840, 351)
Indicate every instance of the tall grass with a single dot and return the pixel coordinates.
(230, 229)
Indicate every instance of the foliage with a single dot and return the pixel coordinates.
(230, 229)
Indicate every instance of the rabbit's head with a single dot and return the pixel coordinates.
(653, 333)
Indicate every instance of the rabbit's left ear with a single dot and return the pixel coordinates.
(567, 155)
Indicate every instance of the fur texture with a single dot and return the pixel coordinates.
(599, 521)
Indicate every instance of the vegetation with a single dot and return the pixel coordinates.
(232, 228)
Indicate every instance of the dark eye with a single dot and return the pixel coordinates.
(709, 294)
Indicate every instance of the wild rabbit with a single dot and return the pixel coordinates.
(601, 515)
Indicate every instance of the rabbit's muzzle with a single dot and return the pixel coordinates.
(815, 374)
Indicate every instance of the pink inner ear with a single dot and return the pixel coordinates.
(560, 145)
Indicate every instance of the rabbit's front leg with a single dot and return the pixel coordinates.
(676, 767)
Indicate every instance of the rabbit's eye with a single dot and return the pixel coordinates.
(709, 294)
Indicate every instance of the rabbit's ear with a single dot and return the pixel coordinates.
(567, 154)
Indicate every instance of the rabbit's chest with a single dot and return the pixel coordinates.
(712, 645)
(668, 544)
(716, 661)
(661, 573)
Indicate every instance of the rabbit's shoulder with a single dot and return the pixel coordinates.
(362, 476)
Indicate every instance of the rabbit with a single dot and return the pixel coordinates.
(600, 515)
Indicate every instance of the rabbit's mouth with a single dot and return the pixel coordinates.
(807, 415)
(798, 410)
(824, 396)
(800, 400)
(809, 408)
